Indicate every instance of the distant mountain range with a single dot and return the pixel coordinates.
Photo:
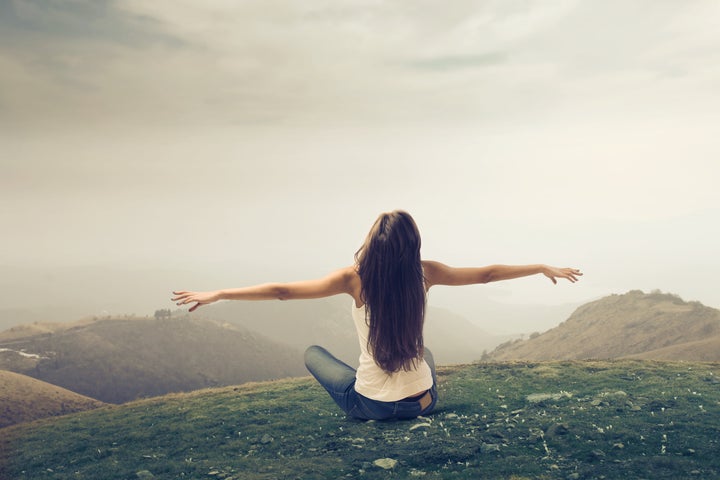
(658, 326)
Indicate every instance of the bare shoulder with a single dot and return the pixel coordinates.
(433, 271)
(352, 282)
(348, 276)
(430, 266)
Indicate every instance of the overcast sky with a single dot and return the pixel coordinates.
(258, 140)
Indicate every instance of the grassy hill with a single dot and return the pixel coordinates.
(23, 399)
(119, 359)
(555, 420)
(652, 326)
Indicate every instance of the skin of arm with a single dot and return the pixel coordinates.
(346, 280)
(337, 282)
(437, 273)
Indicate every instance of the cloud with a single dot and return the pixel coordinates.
(228, 62)
(71, 60)
(264, 63)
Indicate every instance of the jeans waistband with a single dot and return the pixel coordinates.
(425, 399)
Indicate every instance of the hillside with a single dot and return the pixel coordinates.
(556, 420)
(651, 326)
(701, 350)
(120, 359)
(327, 322)
(24, 399)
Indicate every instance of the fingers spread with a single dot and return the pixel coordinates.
(183, 297)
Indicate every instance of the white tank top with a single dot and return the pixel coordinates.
(373, 382)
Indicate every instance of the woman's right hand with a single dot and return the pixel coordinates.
(183, 297)
(570, 274)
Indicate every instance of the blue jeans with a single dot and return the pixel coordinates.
(338, 378)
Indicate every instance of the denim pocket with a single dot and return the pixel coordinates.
(370, 409)
(433, 394)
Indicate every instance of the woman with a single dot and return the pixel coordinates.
(388, 283)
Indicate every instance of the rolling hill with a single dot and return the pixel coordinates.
(651, 326)
(24, 399)
(119, 359)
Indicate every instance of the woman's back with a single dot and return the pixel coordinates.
(378, 384)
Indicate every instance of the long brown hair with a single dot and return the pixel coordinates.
(393, 289)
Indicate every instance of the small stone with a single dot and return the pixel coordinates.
(619, 445)
(597, 455)
(544, 397)
(420, 425)
(573, 476)
(385, 463)
(557, 429)
(144, 474)
(266, 439)
(451, 415)
(489, 447)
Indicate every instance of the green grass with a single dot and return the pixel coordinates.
(564, 420)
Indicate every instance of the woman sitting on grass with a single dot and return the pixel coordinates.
(388, 284)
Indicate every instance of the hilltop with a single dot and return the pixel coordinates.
(655, 325)
(117, 359)
(555, 420)
(24, 399)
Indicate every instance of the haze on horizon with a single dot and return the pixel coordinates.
(257, 141)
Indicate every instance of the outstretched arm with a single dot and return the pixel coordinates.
(335, 283)
(437, 273)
